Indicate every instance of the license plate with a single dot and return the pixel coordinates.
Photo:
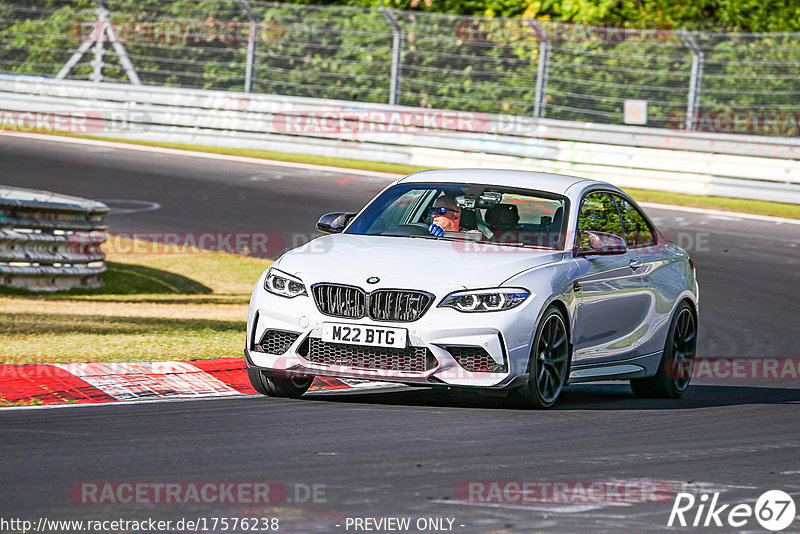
(358, 334)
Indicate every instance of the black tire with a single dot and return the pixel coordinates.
(268, 384)
(548, 365)
(675, 369)
(255, 380)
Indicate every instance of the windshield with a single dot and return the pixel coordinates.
(506, 216)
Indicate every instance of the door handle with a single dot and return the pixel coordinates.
(576, 286)
(634, 263)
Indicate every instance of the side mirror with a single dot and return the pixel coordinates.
(333, 223)
(601, 243)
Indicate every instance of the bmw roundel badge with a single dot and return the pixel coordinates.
(373, 280)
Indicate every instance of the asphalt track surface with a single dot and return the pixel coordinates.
(404, 452)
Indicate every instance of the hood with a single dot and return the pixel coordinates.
(433, 265)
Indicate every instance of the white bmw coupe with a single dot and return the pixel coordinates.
(510, 282)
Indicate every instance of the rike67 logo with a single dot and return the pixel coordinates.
(774, 510)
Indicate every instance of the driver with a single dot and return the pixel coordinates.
(446, 216)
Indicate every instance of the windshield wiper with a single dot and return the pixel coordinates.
(468, 238)
(523, 245)
(488, 242)
(411, 236)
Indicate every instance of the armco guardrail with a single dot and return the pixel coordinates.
(50, 242)
(758, 167)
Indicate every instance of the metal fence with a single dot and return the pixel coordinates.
(690, 80)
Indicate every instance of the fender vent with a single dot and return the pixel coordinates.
(277, 341)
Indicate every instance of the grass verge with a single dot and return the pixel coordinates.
(179, 306)
(757, 207)
(740, 205)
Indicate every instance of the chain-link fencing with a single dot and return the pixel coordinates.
(609, 74)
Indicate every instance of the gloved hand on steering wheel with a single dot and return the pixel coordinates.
(436, 231)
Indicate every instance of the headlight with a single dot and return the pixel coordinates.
(284, 284)
(481, 300)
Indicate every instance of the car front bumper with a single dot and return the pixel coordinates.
(505, 337)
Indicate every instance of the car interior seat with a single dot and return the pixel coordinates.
(502, 220)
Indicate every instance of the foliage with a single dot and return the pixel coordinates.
(449, 60)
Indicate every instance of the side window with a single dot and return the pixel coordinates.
(637, 231)
(534, 211)
(398, 210)
(598, 213)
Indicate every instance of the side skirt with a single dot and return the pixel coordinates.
(639, 367)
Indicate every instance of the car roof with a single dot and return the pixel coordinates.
(540, 181)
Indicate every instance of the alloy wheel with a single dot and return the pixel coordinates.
(552, 351)
(684, 345)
